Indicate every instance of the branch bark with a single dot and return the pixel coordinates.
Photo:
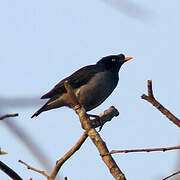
(151, 99)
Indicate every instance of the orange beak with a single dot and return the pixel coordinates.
(128, 58)
(2, 152)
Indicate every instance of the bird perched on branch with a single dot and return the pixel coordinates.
(92, 84)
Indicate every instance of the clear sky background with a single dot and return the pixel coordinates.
(41, 42)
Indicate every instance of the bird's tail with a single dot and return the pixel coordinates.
(51, 104)
(39, 111)
(36, 114)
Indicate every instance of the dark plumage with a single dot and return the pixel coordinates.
(92, 84)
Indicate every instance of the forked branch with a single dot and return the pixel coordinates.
(94, 135)
(106, 116)
(151, 99)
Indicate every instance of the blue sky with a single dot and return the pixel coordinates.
(41, 42)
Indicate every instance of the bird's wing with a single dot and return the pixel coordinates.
(77, 79)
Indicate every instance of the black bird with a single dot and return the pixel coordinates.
(92, 84)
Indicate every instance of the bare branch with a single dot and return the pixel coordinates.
(34, 169)
(150, 98)
(61, 161)
(94, 135)
(145, 150)
(104, 117)
(11, 173)
(171, 175)
(150, 90)
(8, 115)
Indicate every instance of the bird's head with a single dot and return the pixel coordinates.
(114, 62)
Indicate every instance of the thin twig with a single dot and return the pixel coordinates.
(150, 98)
(61, 161)
(171, 175)
(145, 150)
(34, 169)
(8, 115)
(11, 173)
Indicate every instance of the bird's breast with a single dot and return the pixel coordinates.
(97, 89)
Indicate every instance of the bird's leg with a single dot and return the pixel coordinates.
(97, 118)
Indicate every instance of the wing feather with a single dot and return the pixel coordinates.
(77, 79)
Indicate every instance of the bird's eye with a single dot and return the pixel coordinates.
(113, 60)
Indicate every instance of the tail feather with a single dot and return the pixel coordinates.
(51, 104)
(36, 114)
(39, 111)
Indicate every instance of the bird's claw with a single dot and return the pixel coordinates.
(97, 118)
(100, 127)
